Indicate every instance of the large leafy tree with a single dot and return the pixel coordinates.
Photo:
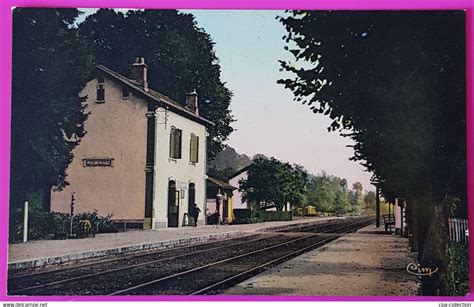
(294, 179)
(394, 82)
(180, 57)
(271, 182)
(355, 196)
(50, 67)
(330, 194)
(341, 201)
(320, 192)
(369, 201)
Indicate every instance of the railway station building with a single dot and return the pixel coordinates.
(143, 159)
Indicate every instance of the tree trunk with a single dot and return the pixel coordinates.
(412, 224)
(46, 199)
(432, 236)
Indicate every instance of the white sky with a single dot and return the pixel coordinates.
(249, 45)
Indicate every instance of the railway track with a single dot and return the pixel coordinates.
(201, 269)
(78, 276)
(29, 274)
(220, 275)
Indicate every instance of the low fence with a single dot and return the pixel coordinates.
(458, 230)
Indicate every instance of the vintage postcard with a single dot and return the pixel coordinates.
(238, 153)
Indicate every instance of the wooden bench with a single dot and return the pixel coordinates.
(388, 220)
(124, 225)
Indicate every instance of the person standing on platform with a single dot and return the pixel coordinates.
(196, 212)
(215, 218)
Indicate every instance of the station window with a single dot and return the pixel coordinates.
(125, 93)
(100, 89)
(175, 143)
(194, 149)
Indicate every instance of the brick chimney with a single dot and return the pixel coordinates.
(192, 102)
(139, 72)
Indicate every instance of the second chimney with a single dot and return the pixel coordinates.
(139, 72)
(192, 102)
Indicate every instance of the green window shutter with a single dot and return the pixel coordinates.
(196, 158)
(172, 143)
(194, 145)
(178, 144)
(191, 144)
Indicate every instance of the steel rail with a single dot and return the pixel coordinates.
(143, 285)
(324, 224)
(155, 252)
(82, 277)
(319, 225)
(276, 261)
(137, 255)
(156, 281)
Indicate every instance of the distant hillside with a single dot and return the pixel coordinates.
(229, 159)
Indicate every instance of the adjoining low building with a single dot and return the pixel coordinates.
(143, 158)
(220, 197)
(234, 180)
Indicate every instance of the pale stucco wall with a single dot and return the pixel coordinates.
(180, 170)
(238, 204)
(115, 129)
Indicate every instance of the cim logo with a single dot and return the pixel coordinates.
(416, 269)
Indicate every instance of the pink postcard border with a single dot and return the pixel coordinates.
(5, 109)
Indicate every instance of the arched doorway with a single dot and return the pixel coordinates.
(173, 204)
(191, 197)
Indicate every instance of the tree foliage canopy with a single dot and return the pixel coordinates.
(271, 182)
(50, 68)
(395, 81)
(330, 193)
(180, 57)
(52, 59)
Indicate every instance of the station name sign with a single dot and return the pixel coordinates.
(93, 162)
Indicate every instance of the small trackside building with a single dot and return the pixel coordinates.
(143, 159)
(234, 180)
(220, 198)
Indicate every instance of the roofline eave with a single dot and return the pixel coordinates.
(156, 100)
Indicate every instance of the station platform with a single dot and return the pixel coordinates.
(366, 263)
(44, 252)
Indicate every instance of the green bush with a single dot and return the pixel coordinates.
(254, 220)
(55, 225)
(100, 224)
(242, 216)
(41, 224)
(267, 216)
(105, 224)
(15, 229)
(458, 269)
